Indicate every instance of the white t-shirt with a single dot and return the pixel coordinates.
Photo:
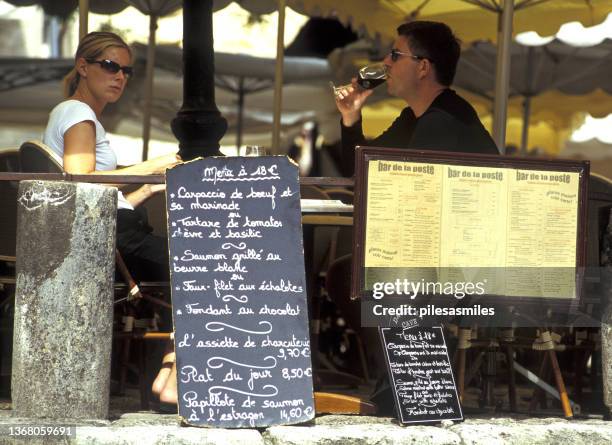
(69, 113)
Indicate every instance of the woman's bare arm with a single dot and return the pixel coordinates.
(80, 148)
(80, 155)
(143, 193)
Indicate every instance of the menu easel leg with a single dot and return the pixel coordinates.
(567, 409)
(545, 344)
(508, 339)
(539, 392)
(465, 334)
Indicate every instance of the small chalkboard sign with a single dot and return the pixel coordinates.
(420, 374)
(239, 292)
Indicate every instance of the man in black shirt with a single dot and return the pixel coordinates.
(420, 68)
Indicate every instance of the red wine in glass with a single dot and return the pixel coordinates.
(368, 84)
(371, 76)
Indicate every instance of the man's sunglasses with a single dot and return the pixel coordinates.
(396, 53)
(113, 67)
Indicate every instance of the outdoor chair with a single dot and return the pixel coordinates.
(318, 241)
(36, 157)
(342, 240)
(9, 163)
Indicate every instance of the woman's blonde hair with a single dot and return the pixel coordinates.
(91, 47)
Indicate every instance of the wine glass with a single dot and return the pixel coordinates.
(369, 77)
(256, 150)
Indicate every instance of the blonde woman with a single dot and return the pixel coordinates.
(103, 65)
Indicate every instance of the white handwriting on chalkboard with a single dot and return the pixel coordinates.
(240, 299)
(225, 267)
(182, 192)
(193, 401)
(243, 234)
(264, 194)
(184, 233)
(222, 285)
(270, 222)
(190, 374)
(189, 286)
(197, 222)
(282, 403)
(226, 342)
(293, 343)
(179, 268)
(287, 193)
(184, 343)
(221, 360)
(197, 205)
(188, 255)
(257, 375)
(287, 310)
(271, 391)
(209, 310)
(251, 254)
(226, 246)
(214, 175)
(216, 326)
(281, 286)
(235, 415)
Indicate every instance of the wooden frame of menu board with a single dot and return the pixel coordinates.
(509, 184)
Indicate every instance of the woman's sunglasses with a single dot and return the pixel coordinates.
(113, 67)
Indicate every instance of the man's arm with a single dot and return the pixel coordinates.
(350, 101)
(350, 138)
(398, 135)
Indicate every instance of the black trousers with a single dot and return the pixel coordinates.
(145, 254)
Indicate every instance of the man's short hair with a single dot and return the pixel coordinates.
(434, 41)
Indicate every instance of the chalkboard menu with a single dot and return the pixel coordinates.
(239, 292)
(420, 374)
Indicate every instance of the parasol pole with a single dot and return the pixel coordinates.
(502, 75)
(525, 129)
(83, 18)
(239, 121)
(278, 76)
(148, 91)
(529, 76)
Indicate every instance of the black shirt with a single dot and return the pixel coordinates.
(449, 124)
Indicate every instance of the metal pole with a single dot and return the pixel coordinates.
(502, 76)
(83, 18)
(148, 92)
(198, 125)
(239, 123)
(278, 76)
(529, 80)
(525, 129)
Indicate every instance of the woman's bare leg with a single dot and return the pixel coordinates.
(169, 393)
(164, 373)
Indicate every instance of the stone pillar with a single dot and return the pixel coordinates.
(606, 321)
(63, 300)
(198, 125)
